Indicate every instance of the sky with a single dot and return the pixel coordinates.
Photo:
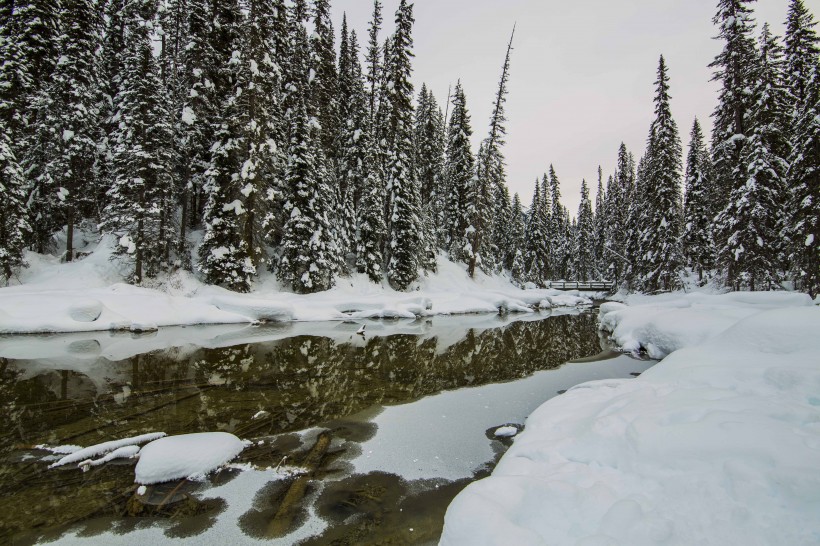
(581, 77)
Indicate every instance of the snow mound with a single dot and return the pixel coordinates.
(717, 444)
(254, 308)
(125, 452)
(506, 432)
(663, 324)
(78, 455)
(189, 456)
(85, 311)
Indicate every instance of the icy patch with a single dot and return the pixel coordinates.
(189, 456)
(105, 447)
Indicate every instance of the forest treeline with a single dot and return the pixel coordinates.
(230, 136)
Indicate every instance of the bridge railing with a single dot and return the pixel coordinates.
(598, 286)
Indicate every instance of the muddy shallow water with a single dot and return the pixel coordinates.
(356, 439)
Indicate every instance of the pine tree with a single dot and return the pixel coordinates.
(67, 124)
(373, 62)
(459, 174)
(225, 257)
(323, 78)
(659, 253)
(536, 245)
(801, 50)
(142, 189)
(696, 239)
(753, 219)
(14, 225)
(804, 174)
(618, 201)
(584, 240)
(354, 138)
(514, 242)
(558, 241)
(733, 69)
(599, 236)
(371, 229)
(405, 224)
(490, 178)
(309, 255)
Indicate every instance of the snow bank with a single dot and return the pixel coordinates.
(663, 324)
(89, 295)
(717, 444)
(189, 456)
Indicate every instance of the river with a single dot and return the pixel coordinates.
(355, 438)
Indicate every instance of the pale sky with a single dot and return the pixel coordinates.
(582, 72)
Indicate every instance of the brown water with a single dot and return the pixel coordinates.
(316, 393)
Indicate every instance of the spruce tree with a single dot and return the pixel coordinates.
(696, 239)
(460, 176)
(536, 246)
(804, 174)
(323, 78)
(733, 69)
(618, 200)
(142, 189)
(309, 255)
(405, 223)
(371, 230)
(659, 249)
(373, 61)
(68, 124)
(751, 224)
(490, 178)
(584, 239)
(14, 225)
(558, 241)
(801, 50)
(599, 236)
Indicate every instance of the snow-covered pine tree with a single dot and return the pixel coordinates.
(733, 69)
(536, 242)
(14, 227)
(584, 240)
(257, 107)
(142, 189)
(801, 50)
(373, 62)
(558, 241)
(428, 159)
(660, 253)
(67, 123)
(514, 242)
(751, 224)
(459, 172)
(405, 224)
(324, 79)
(600, 259)
(696, 239)
(309, 254)
(637, 213)
(225, 257)
(371, 230)
(618, 200)
(199, 116)
(354, 137)
(804, 175)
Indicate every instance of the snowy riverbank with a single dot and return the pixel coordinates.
(89, 295)
(719, 443)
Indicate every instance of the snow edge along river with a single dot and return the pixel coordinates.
(719, 443)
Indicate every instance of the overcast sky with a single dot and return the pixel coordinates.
(582, 72)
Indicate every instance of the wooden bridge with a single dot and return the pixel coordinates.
(592, 286)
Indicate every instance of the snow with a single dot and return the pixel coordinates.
(88, 295)
(188, 116)
(124, 452)
(190, 456)
(103, 448)
(506, 432)
(718, 443)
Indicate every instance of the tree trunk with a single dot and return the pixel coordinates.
(69, 243)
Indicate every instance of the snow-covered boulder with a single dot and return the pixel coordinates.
(186, 456)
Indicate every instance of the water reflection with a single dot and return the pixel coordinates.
(77, 393)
